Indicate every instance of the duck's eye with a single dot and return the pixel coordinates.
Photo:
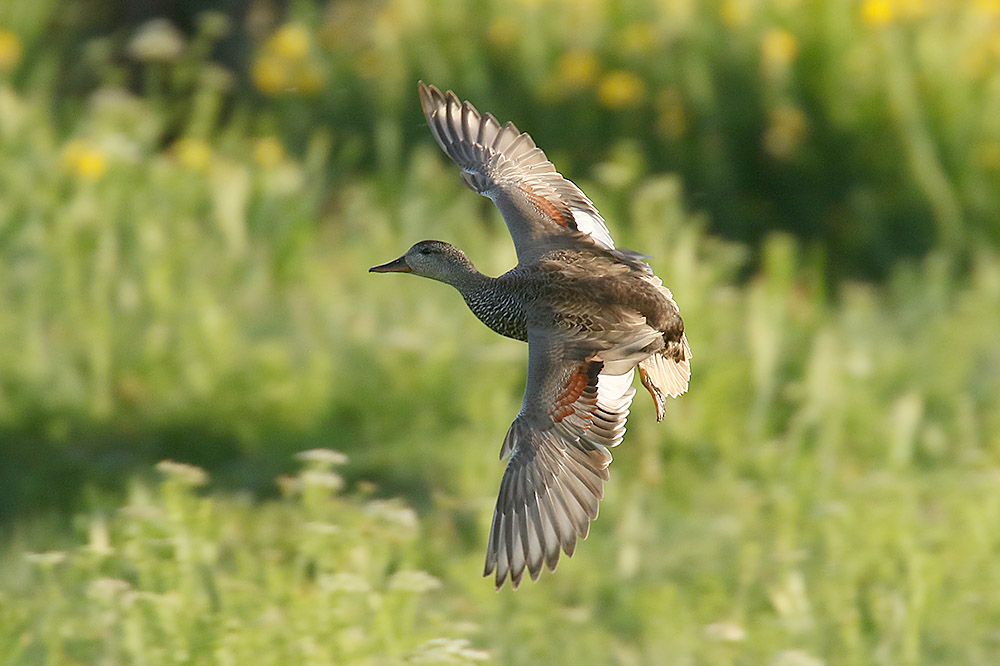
(426, 250)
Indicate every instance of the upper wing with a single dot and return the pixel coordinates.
(558, 447)
(504, 164)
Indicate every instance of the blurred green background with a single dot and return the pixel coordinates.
(191, 193)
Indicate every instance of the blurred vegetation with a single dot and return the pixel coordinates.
(868, 129)
(183, 246)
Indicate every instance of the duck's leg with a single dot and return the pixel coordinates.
(658, 398)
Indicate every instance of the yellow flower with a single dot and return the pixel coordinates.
(283, 64)
(778, 48)
(270, 75)
(877, 12)
(621, 89)
(503, 32)
(193, 154)
(92, 165)
(735, 13)
(911, 8)
(672, 118)
(988, 155)
(370, 64)
(268, 152)
(389, 20)
(976, 62)
(988, 8)
(638, 38)
(309, 79)
(84, 160)
(576, 69)
(290, 42)
(786, 131)
(10, 49)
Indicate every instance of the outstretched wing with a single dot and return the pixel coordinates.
(573, 412)
(499, 162)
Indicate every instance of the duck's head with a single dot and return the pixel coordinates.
(432, 259)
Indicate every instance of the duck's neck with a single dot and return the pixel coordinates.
(470, 281)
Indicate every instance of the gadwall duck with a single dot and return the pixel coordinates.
(590, 313)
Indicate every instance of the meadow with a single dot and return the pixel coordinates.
(224, 442)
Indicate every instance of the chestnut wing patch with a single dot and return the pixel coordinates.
(551, 207)
(579, 394)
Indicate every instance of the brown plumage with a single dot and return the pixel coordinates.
(590, 314)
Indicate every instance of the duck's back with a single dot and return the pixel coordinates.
(576, 292)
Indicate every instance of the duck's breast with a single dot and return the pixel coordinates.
(500, 304)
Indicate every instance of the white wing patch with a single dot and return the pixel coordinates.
(614, 392)
(593, 225)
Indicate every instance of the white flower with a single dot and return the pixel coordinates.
(322, 528)
(318, 479)
(98, 538)
(413, 581)
(393, 512)
(183, 472)
(796, 658)
(107, 589)
(46, 559)
(447, 651)
(322, 457)
(726, 632)
(156, 41)
(344, 582)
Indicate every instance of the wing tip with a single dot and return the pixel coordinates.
(426, 93)
(431, 99)
(545, 506)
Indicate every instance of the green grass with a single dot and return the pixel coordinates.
(826, 489)
(183, 273)
(176, 577)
